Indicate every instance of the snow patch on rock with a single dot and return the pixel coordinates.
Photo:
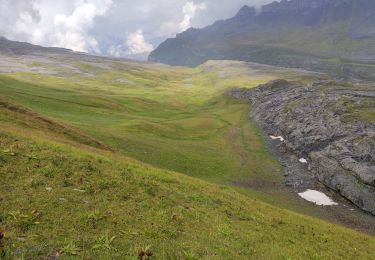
(317, 197)
(302, 160)
(277, 137)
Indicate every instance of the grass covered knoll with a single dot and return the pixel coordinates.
(58, 200)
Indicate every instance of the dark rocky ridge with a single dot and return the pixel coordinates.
(16, 48)
(22, 48)
(317, 123)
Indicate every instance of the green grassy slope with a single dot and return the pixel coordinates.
(71, 186)
(173, 118)
(62, 197)
(178, 119)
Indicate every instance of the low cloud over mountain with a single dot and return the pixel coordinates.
(108, 27)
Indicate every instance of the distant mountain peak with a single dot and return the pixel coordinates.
(246, 11)
(290, 33)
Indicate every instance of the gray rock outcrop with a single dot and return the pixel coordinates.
(330, 123)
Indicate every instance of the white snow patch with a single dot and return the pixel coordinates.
(277, 137)
(317, 197)
(302, 160)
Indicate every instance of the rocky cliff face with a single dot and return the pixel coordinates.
(321, 35)
(332, 124)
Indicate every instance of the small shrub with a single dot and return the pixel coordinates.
(71, 249)
(23, 221)
(94, 217)
(104, 242)
(145, 253)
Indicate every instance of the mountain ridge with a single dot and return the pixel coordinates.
(22, 48)
(297, 33)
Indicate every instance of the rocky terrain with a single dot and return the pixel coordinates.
(331, 124)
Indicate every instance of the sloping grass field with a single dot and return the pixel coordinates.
(126, 160)
(177, 119)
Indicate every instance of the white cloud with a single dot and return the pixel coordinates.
(167, 29)
(134, 45)
(14, 17)
(137, 44)
(115, 51)
(189, 10)
(71, 31)
(96, 25)
(64, 25)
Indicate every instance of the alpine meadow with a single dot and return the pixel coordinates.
(252, 138)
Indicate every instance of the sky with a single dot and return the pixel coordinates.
(119, 28)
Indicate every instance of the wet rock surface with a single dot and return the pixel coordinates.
(328, 123)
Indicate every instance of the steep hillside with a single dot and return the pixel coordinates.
(322, 35)
(72, 200)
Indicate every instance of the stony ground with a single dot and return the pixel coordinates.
(329, 123)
